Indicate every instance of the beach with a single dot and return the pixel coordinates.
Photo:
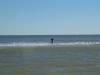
(50, 60)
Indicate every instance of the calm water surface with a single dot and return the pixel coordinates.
(50, 61)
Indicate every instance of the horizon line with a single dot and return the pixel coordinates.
(43, 34)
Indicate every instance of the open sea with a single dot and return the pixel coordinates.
(43, 40)
(36, 55)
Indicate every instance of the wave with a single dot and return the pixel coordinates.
(47, 44)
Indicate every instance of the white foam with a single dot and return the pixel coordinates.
(46, 44)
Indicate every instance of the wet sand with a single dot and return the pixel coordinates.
(50, 60)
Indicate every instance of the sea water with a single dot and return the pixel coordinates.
(35, 55)
(42, 40)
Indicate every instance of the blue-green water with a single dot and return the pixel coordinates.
(50, 60)
(35, 55)
(44, 40)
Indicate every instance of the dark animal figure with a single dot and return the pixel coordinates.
(52, 40)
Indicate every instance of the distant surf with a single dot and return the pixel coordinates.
(45, 40)
(21, 44)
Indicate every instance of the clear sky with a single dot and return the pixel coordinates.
(40, 17)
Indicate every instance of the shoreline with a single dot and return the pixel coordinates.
(51, 46)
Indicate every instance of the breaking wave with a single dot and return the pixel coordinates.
(47, 44)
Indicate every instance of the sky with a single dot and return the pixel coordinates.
(49, 17)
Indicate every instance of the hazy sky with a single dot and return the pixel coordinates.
(28, 17)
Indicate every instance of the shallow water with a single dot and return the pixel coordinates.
(79, 60)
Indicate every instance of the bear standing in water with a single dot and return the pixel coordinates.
(52, 40)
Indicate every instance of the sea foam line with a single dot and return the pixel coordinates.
(47, 44)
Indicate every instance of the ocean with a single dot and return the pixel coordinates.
(42, 40)
(36, 55)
